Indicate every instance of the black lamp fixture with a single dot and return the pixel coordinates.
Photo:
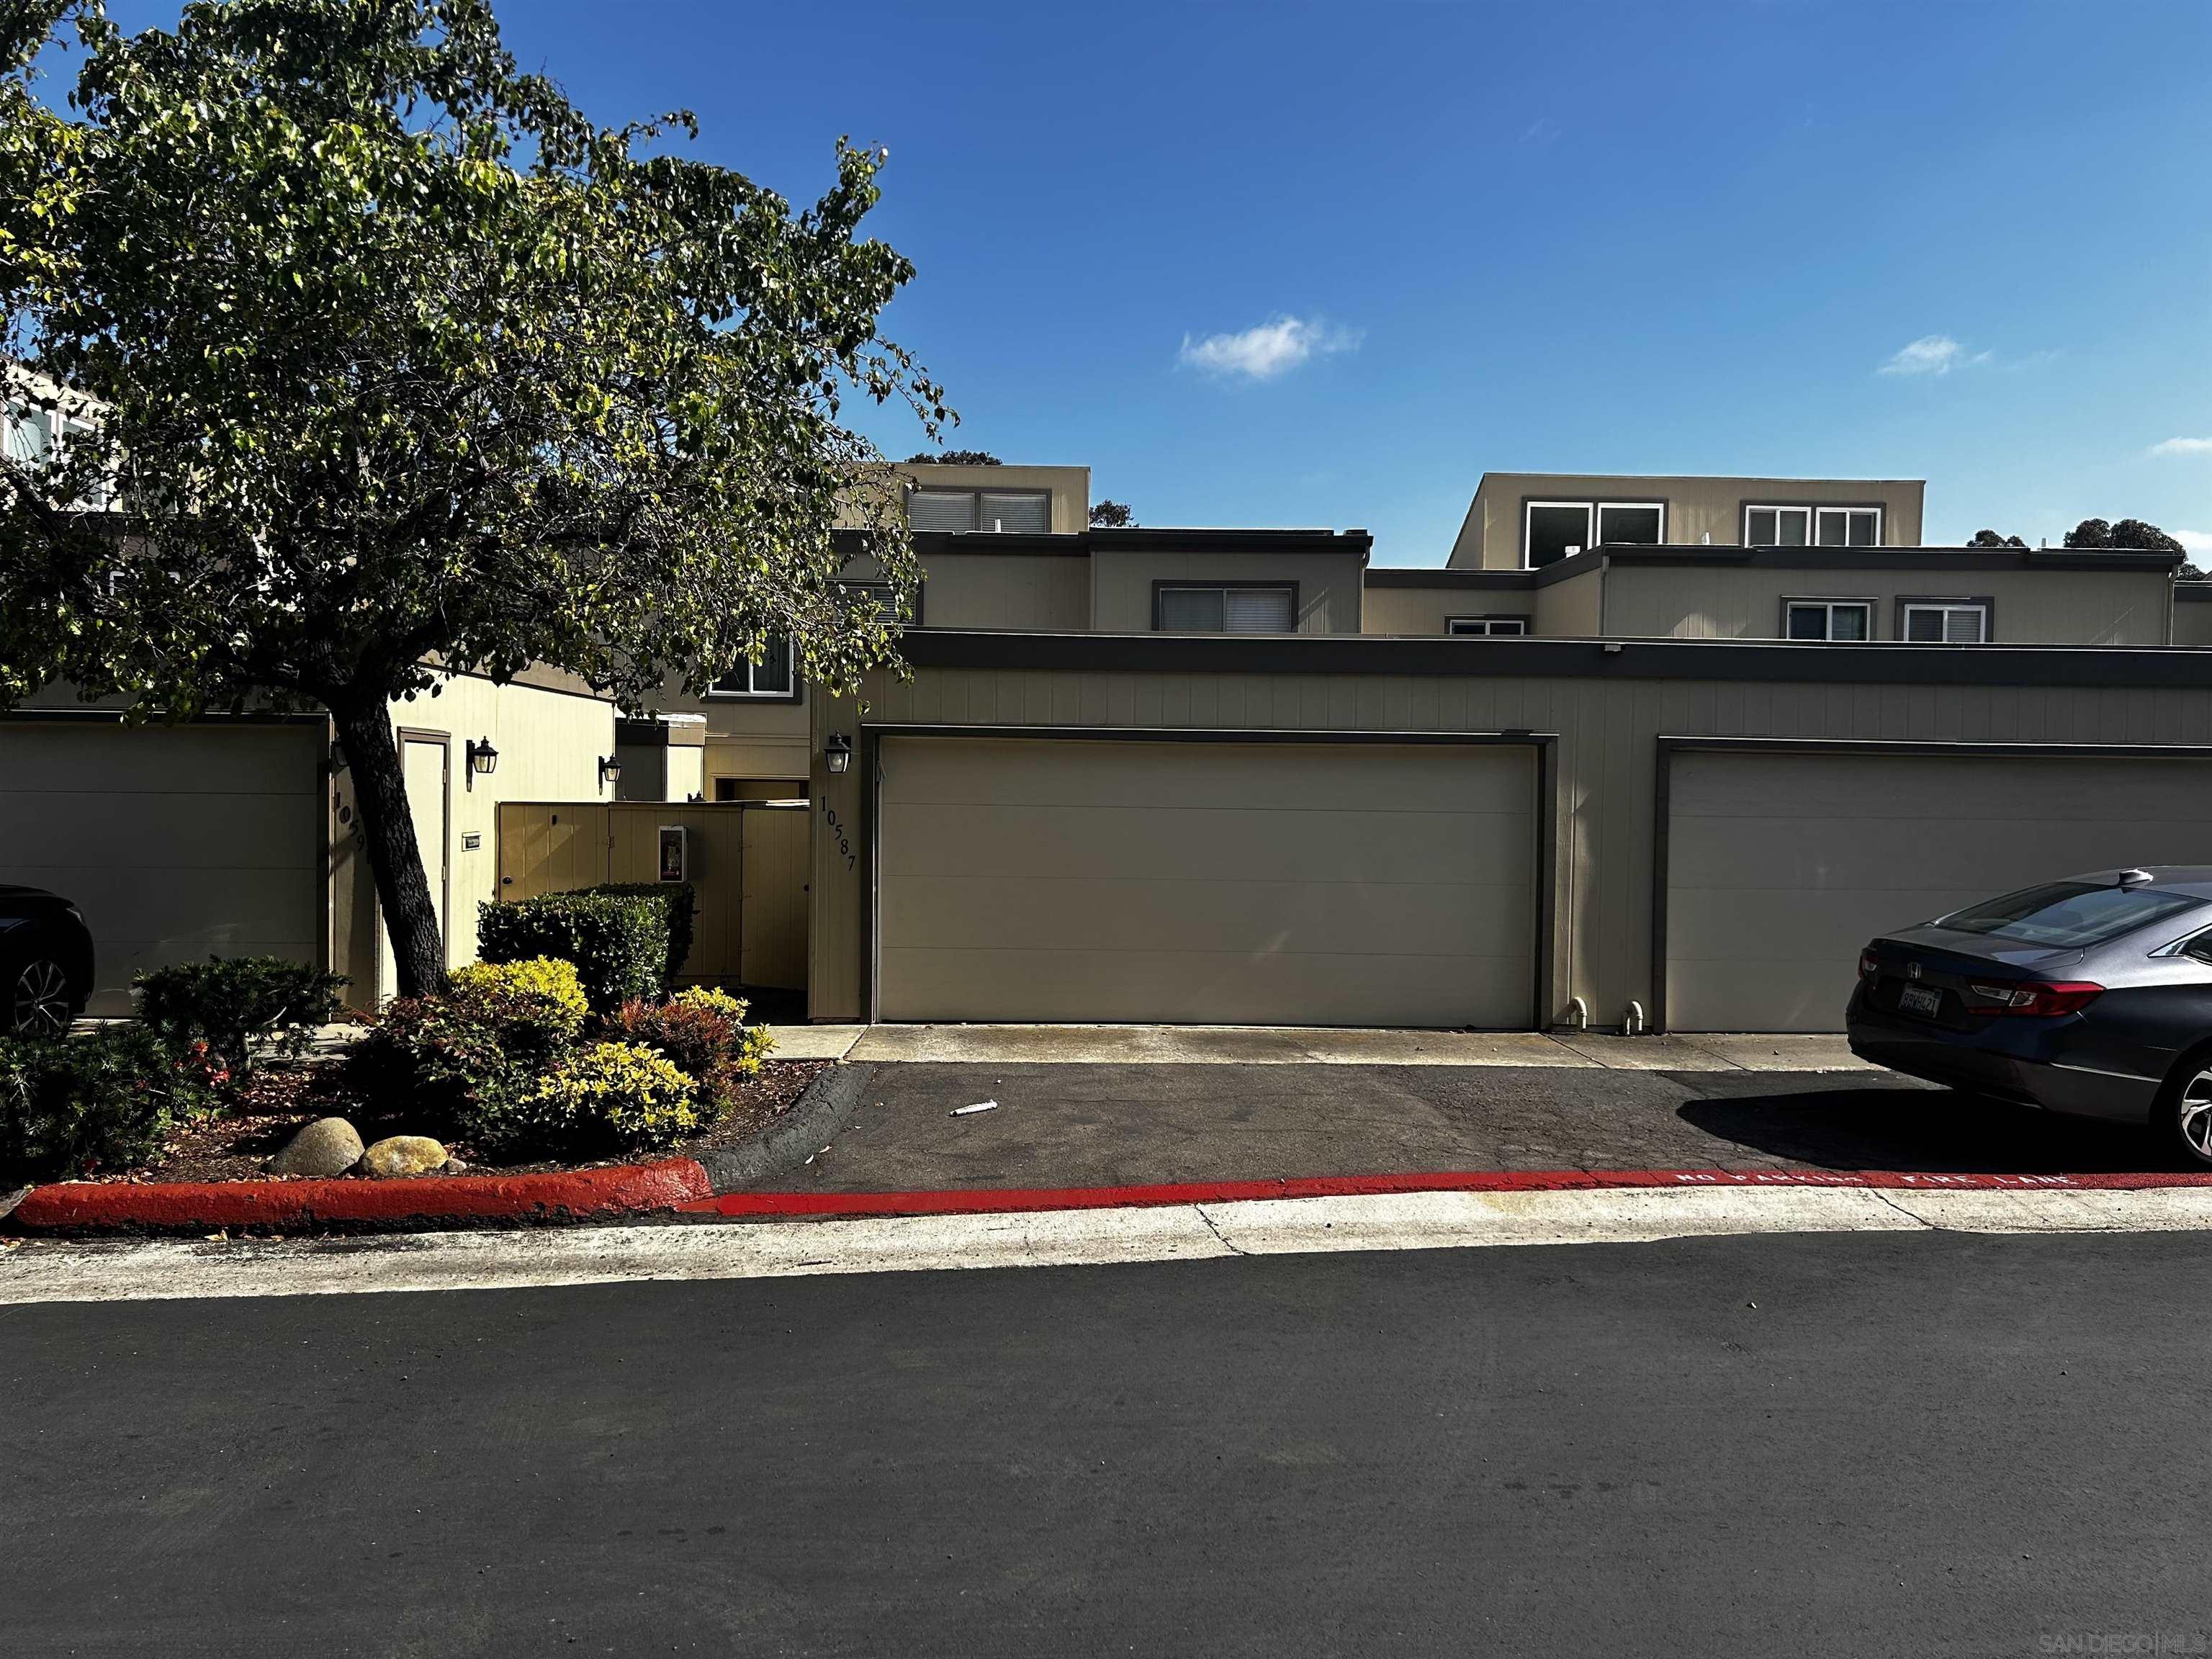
(483, 759)
(610, 770)
(837, 751)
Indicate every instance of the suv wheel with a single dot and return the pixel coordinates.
(40, 1003)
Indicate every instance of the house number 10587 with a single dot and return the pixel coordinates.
(837, 829)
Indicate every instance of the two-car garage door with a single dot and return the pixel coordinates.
(1782, 865)
(1206, 881)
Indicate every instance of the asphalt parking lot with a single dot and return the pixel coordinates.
(1078, 1124)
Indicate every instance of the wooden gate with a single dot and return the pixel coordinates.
(746, 861)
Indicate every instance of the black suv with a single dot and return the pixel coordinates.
(45, 962)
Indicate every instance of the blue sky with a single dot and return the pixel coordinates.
(1653, 237)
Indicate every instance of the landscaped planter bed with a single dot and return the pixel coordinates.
(237, 1144)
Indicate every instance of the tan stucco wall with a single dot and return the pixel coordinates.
(549, 744)
(1697, 508)
(2028, 607)
(1607, 730)
(1122, 585)
(1007, 591)
(1424, 611)
(1070, 486)
(2192, 623)
(1575, 609)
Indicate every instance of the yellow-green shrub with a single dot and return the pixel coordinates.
(540, 983)
(620, 1093)
(701, 1031)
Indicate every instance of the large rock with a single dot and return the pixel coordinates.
(328, 1146)
(403, 1155)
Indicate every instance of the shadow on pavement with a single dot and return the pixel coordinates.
(1910, 1129)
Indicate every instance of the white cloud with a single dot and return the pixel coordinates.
(1932, 354)
(2197, 543)
(2183, 447)
(1270, 348)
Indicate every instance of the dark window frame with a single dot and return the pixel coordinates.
(797, 694)
(1191, 585)
(1746, 505)
(1597, 505)
(975, 494)
(1985, 602)
(1521, 619)
(1869, 603)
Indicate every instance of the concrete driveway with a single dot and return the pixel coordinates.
(1113, 1106)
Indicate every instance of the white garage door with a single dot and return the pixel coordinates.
(1782, 865)
(1206, 882)
(176, 843)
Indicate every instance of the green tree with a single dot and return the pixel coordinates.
(1112, 515)
(1991, 538)
(2128, 533)
(953, 458)
(402, 361)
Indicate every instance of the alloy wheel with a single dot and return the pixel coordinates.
(2195, 1115)
(42, 1000)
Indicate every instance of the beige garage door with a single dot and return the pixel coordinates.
(1781, 867)
(176, 843)
(1206, 882)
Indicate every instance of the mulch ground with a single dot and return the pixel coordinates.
(278, 1099)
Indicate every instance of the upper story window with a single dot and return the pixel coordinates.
(770, 679)
(1810, 527)
(1828, 619)
(1491, 626)
(1552, 531)
(1946, 622)
(1211, 608)
(1848, 527)
(40, 437)
(1010, 510)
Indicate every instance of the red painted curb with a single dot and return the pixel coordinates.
(1013, 1200)
(85, 1205)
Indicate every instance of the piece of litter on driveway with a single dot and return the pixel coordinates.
(980, 1106)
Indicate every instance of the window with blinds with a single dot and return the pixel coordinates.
(1015, 512)
(1947, 624)
(1192, 608)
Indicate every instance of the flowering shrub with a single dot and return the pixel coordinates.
(620, 1093)
(542, 989)
(466, 1055)
(700, 1031)
(73, 1105)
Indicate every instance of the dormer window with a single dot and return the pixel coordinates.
(1012, 511)
(1219, 608)
(1552, 531)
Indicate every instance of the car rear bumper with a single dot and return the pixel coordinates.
(2023, 1063)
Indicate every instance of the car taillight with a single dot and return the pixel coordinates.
(2038, 998)
(1869, 968)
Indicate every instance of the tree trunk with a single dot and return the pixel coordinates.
(388, 829)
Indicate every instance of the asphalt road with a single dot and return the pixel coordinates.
(1106, 1125)
(1930, 1443)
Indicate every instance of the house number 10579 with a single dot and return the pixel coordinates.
(837, 829)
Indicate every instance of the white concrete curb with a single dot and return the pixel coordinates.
(37, 1272)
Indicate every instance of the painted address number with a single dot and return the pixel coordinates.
(837, 829)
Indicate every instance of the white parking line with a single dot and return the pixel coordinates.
(39, 1272)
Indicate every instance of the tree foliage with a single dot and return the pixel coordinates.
(1991, 538)
(1112, 515)
(402, 361)
(2133, 534)
(953, 458)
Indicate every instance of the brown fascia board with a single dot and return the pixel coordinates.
(1773, 660)
(1137, 539)
(1683, 555)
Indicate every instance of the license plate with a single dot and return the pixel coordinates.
(1920, 999)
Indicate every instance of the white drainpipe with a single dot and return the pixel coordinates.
(1633, 1025)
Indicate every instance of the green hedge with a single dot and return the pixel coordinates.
(103, 1101)
(238, 1004)
(623, 940)
(677, 898)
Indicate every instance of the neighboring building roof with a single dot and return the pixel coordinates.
(1147, 538)
(1794, 558)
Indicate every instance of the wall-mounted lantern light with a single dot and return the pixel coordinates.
(483, 759)
(610, 770)
(837, 751)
